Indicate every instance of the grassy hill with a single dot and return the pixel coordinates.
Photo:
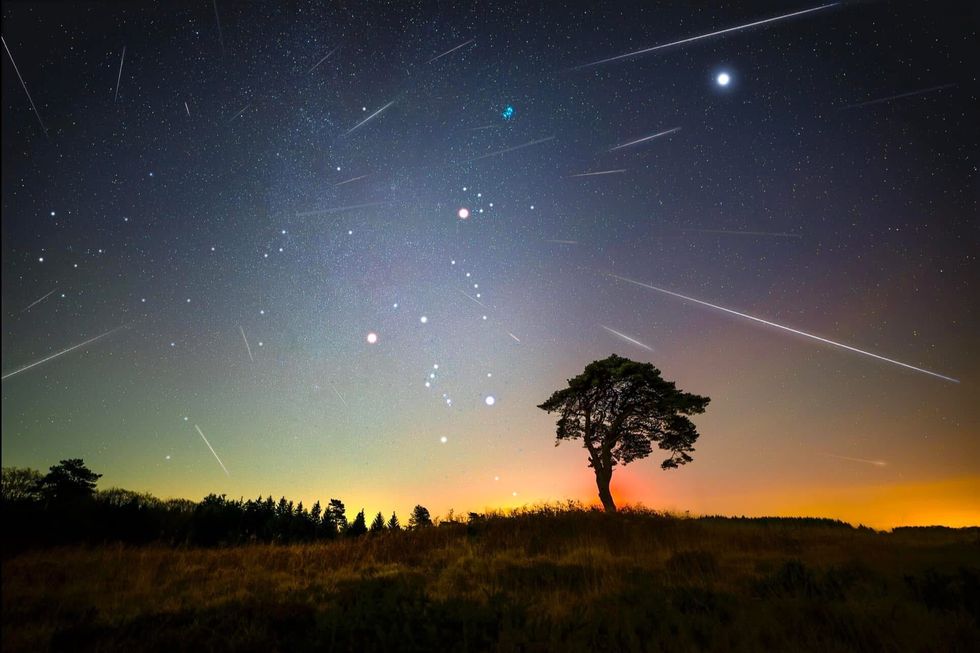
(547, 579)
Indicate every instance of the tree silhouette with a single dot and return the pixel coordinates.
(335, 517)
(420, 518)
(393, 523)
(378, 525)
(357, 527)
(316, 518)
(619, 409)
(20, 484)
(68, 481)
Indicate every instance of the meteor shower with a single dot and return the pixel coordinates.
(490, 326)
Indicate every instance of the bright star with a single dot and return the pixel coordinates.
(372, 338)
(723, 79)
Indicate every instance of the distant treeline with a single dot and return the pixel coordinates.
(64, 507)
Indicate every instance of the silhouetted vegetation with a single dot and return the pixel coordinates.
(563, 578)
(64, 507)
(619, 409)
(419, 518)
(546, 579)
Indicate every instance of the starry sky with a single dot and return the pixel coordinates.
(257, 206)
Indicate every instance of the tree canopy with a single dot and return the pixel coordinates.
(357, 527)
(69, 480)
(419, 518)
(20, 484)
(621, 409)
(378, 525)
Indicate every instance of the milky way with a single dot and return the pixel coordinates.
(296, 272)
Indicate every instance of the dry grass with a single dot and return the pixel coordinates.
(544, 579)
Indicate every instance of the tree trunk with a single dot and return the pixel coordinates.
(602, 478)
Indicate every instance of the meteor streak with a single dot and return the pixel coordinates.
(187, 109)
(338, 394)
(246, 344)
(327, 56)
(217, 20)
(448, 51)
(201, 433)
(37, 301)
(786, 328)
(599, 172)
(563, 242)
(473, 299)
(876, 463)
(369, 117)
(706, 36)
(921, 91)
(511, 149)
(28, 93)
(646, 138)
(240, 112)
(338, 209)
(53, 356)
(745, 233)
(119, 76)
(341, 183)
(477, 301)
(626, 337)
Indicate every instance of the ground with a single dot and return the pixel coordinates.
(540, 580)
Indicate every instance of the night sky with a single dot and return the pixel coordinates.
(238, 195)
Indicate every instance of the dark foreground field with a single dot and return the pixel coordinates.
(546, 580)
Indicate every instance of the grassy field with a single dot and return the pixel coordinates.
(536, 580)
